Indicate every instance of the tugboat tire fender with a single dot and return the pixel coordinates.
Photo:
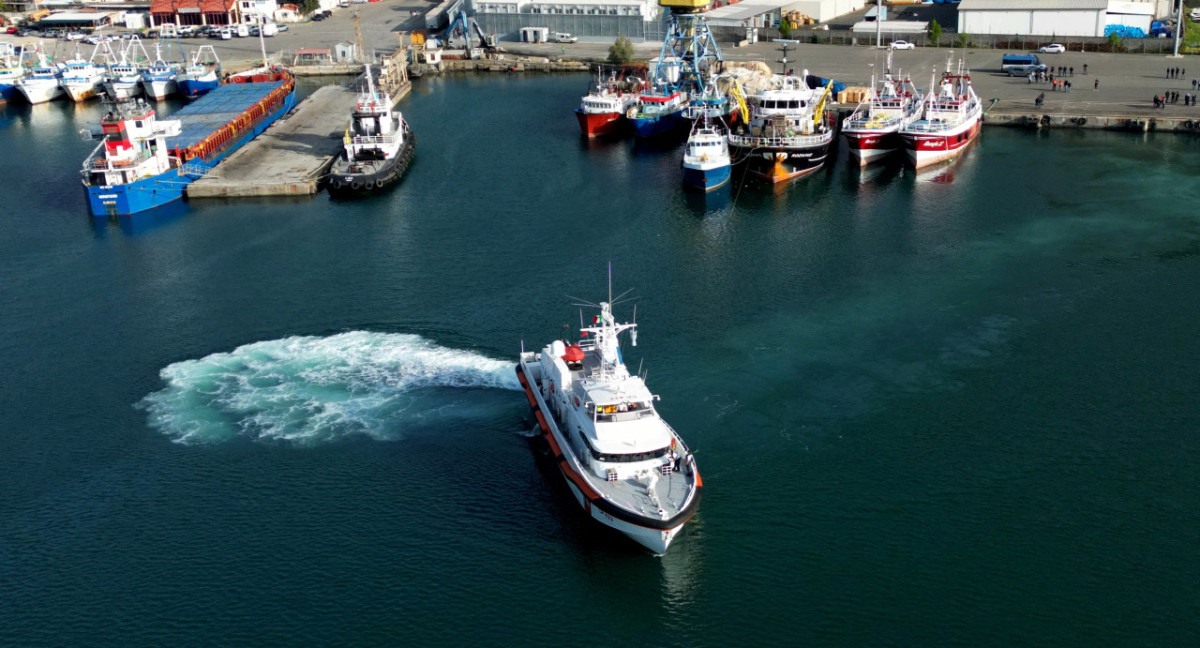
(356, 185)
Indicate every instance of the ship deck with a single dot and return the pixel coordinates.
(214, 110)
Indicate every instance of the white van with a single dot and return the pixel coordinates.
(269, 29)
(242, 31)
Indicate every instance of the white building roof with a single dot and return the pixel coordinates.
(1031, 5)
(76, 16)
(1135, 8)
(747, 9)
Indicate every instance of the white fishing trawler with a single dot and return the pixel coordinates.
(873, 129)
(628, 469)
(42, 83)
(124, 79)
(951, 117)
(82, 78)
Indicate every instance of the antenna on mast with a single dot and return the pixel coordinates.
(610, 283)
(633, 333)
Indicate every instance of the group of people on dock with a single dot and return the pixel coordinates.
(1171, 96)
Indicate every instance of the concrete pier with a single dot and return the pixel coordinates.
(289, 157)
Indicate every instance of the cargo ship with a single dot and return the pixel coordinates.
(144, 163)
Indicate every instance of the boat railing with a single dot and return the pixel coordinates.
(933, 126)
(102, 163)
(750, 141)
(372, 139)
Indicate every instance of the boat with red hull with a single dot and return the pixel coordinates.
(873, 130)
(602, 110)
(950, 120)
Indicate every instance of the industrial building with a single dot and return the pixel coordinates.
(766, 13)
(1053, 17)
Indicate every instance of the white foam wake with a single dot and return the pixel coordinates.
(308, 389)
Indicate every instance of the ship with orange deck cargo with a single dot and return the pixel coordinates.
(144, 162)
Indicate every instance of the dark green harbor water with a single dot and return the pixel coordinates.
(951, 409)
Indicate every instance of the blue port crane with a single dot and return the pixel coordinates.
(464, 25)
(689, 51)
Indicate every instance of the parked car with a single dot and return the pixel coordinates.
(11, 30)
(904, 45)
(1052, 48)
(564, 37)
(74, 36)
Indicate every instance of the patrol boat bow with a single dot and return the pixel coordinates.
(624, 464)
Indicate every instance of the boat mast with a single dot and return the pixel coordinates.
(358, 45)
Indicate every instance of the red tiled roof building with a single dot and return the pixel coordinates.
(193, 12)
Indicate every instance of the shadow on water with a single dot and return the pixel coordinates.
(707, 203)
(657, 146)
(140, 222)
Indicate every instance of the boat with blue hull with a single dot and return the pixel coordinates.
(12, 71)
(144, 163)
(658, 113)
(706, 162)
(201, 76)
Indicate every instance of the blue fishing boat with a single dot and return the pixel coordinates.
(12, 71)
(706, 161)
(201, 75)
(658, 112)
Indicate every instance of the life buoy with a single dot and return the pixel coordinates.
(576, 401)
(551, 386)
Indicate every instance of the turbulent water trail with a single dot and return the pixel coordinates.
(311, 389)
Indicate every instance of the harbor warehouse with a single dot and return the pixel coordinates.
(1033, 17)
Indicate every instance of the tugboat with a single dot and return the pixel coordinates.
(790, 131)
(706, 162)
(378, 146)
(873, 129)
(628, 469)
(949, 122)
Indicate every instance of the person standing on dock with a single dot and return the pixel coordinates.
(1085, 69)
(1072, 70)
(1096, 86)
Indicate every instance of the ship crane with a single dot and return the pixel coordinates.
(689, 51)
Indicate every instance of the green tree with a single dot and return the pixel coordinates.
(785, 28)
(621, 51)
(1114, 42)
(935, 32)
(964, 41)
(309, 6)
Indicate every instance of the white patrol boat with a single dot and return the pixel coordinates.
(624, 464)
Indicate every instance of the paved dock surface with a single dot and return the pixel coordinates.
(290, 157)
